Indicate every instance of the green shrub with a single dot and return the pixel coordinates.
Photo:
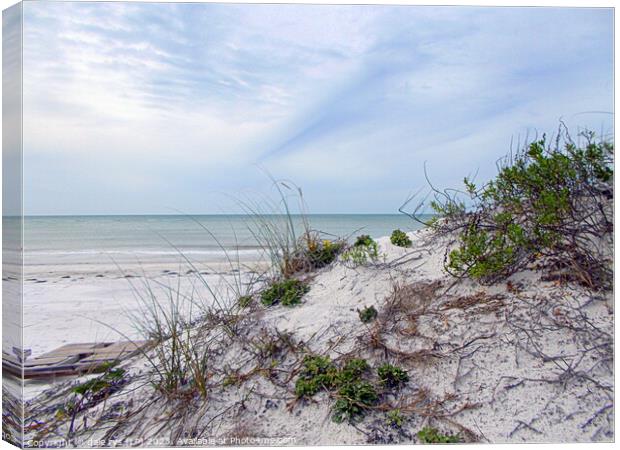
(368, 314)
(430, 435)
(353, 400)
(392, 376)
(316, 365)
(318, 373)
(551, 201)
(363, 241)
(287, 292)
(395, 419)
(354, 395)
(323, 253)
(400, 239)
(307, 388)
(364, 249)
(351, 372)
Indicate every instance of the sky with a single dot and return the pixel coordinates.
(138, 108)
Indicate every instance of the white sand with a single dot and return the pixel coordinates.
(529, 361)
(97, 303)
(66, 304)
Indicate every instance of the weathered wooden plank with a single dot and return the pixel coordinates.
(71, 359)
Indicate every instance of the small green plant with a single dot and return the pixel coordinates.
(354, 399)
(91, 392)
(395, 419)
(91, 386)
(351, 372)
(95, 385)
(429, 435)
(354, 395)
(400, 239)
(244, 301)
(307, 388)
(287, 292)
(363, 241)
(364, 249)
(323, 253)
(392, 376)
(318, 373)
(368, 314)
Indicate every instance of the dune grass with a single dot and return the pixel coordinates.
(282, 228)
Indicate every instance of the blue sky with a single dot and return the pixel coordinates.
(136, 108)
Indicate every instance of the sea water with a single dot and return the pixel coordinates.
(71, 240)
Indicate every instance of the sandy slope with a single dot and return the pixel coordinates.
(524, 361)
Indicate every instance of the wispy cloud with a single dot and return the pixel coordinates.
(134, 107)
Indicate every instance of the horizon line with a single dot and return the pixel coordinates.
(207, 214)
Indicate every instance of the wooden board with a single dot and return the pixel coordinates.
(72, 359)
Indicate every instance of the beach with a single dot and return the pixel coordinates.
(479, 364)
(83, 275)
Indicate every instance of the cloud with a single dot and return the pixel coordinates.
(134, 107)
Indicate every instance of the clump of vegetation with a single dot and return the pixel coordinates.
(392, 376)
(180, 356)
(395, 419)
(429, 435)
(352, 371)
(321, 253)
(109, 379)
(550, 199)
(354, 399)
(244, 301)
(91, 393)
(354, 395)
(400, 239)
(282, 229)
(364, 249)
(288, 292)
(368, 314)
(363, 240)
(318, 373)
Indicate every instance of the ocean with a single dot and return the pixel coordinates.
(71, 240)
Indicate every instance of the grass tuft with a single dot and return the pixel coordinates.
(245, 301)
(395, 419)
